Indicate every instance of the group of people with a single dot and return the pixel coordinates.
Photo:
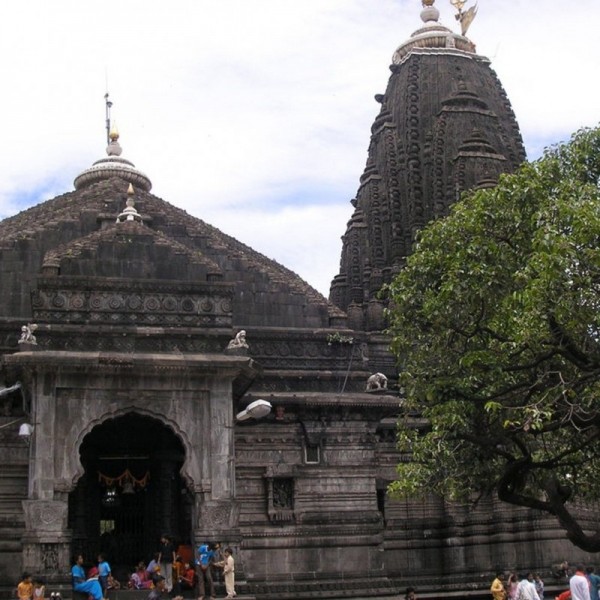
(528, 586)
(94, 583)
(584, 584)
(166, 572)
(210, 555)
(170, 572)
(97, 581)
(30, 588)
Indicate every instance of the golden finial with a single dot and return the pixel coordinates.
(427, 2)
(114, 133)
(130, 190)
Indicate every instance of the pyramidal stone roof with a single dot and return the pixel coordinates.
(112, 226)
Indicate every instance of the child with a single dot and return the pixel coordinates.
(103, 573)
(39, 589)
(140, 580)
(25, 587)
(229, 572)
(113, 584)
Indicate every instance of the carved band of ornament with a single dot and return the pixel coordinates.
(129, 318)
(127, 303)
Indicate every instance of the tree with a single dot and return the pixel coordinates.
(495, 321)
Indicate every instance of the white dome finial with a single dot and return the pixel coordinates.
(429, 12)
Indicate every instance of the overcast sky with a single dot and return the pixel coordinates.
(255, 115)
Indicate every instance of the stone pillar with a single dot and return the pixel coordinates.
(46, 541)
(217, 510)
(42, 460)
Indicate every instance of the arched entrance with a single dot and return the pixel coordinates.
(131, 491)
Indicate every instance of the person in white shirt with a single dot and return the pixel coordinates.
(579, 585)
(526, 588)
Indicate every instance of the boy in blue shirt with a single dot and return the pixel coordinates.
(103, 573)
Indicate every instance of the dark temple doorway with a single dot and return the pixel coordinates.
(130, 494)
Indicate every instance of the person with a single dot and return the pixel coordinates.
(186, 579)
(539, 585)
(159, 588)
(112, 583)
(177, 570)
(579, 585)
(594, 583)
(497, 588)
(204, 560)
(103, 573)
(566, 595)
(526, 588)
(511, 586)
(140, 578)
(91, 587)
(229, 572)
(561, 571)
(411, 593)
(166, 558)
(218, 558)
(25, 587)
(39, 589)
(153, 568)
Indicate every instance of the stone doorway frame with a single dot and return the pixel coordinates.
(72, 392)
(163, 507)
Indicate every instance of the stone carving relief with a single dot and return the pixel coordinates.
(50, 561)
(280, 491)
(27, 336)
(239, 341)
(217, 516)
(376, 382)
(45, 515)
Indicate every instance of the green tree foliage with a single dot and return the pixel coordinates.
(496, 325)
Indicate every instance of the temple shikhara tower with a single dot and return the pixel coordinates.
(136, 341)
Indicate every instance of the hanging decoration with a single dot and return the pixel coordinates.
(128, 483)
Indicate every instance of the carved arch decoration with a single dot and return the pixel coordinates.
(189, 473)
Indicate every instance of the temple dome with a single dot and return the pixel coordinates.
(113, 166)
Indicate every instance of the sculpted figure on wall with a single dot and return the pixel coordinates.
(27, 336)
(239, 341)
(238, 345)
(377, 381)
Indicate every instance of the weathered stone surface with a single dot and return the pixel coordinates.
(131, 376)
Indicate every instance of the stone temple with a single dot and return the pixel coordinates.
(125, 370)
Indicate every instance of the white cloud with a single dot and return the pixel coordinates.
(255, 116)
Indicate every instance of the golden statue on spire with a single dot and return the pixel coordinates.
(464, 17)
